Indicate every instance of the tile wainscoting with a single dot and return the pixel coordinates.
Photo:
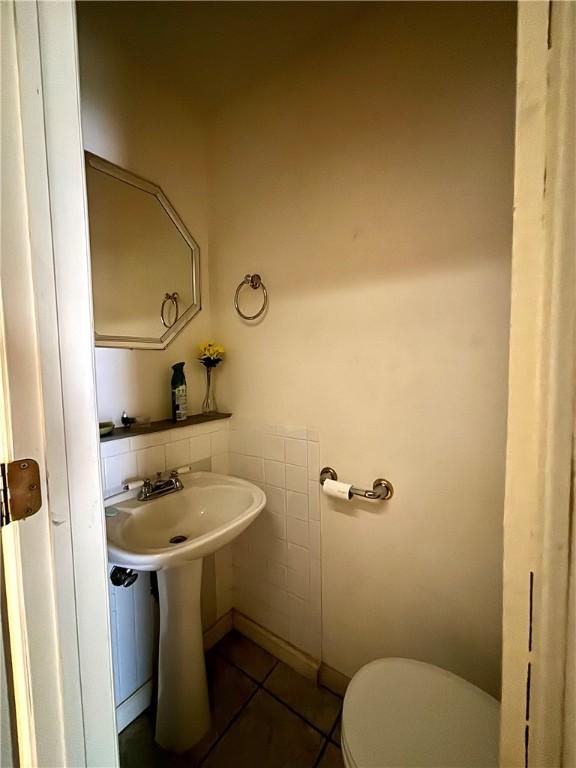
(272, 572)
(145, 455)
(276, 573)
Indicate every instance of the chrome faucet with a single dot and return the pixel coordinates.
(152, 489)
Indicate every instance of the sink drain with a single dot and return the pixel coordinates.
(178, 539)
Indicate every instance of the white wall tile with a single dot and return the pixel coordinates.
(297, 505)
(221, 464)
(277, 524)
(247, 467)
(298, 558)
(114, 447)
(184, 433)
(119, 468)
(308, 641)
(315, 584)
(236, 441)
(276, 574)
(273, 447)
(296, 479)
(298, 583)
(313, 500)
(272, 559)
(277, 551)
(177, 454)
(245, 600)
(275, 499)
(253, 443)
(275, 598)
(200, 447)
(302, 613)
(277, 623)
(297, 531)
(150, 461)
(297, 609)
(147, 441)
(314, 538)
(207, 427)
(296, 452)
(275, 473)
(219, 442)
(241, 555)
(300, 433)
(313, 461)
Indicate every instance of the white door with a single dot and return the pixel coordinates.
(54, 562)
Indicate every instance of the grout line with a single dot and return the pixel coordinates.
(295, 712)
(331, 734)
(243, 707)
(248, 675)
(260, 684)
(260, 687)
(321, 753)
(229, 725)
(276, 662)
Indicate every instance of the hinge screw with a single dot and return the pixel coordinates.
(24, 465)
(32, 487)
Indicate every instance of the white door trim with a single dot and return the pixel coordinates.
(541, 415)
(54, 162)
(27, 561)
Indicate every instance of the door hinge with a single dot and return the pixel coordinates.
(20, 490)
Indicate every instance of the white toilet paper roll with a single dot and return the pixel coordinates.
(337, 489)
(131, 485)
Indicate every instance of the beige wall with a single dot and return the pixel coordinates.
(370, 182)
(132, 117)
(368, 177)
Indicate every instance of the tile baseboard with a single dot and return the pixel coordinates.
(333, 680)
(299, 661)
(218, 630)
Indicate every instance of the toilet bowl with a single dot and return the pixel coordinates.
(401, 713)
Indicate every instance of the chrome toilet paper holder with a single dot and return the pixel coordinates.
(382, 489)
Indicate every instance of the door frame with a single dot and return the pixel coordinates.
(539, 472)
(540, 428)
(82, 717)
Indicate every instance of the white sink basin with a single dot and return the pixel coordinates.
(209, 512)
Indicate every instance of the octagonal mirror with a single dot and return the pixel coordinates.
(145, 262)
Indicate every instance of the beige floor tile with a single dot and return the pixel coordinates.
(266, 735)
(318, 705)
(332, 757)
(229, 691)
(246, 655)
(336, 735)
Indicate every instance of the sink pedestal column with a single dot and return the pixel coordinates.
(183, 716)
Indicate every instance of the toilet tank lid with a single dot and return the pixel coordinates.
(402, 712)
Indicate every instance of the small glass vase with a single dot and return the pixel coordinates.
(209, 404)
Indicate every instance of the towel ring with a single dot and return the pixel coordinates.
(173, 298)
(255, 282)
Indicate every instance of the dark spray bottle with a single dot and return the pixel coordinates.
(179, 398)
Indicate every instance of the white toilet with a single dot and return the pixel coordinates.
(401, 713)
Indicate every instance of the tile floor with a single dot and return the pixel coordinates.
(264, 715)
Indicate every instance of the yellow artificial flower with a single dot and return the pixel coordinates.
(210, 350)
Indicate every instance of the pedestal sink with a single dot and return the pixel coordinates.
(171, 535)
